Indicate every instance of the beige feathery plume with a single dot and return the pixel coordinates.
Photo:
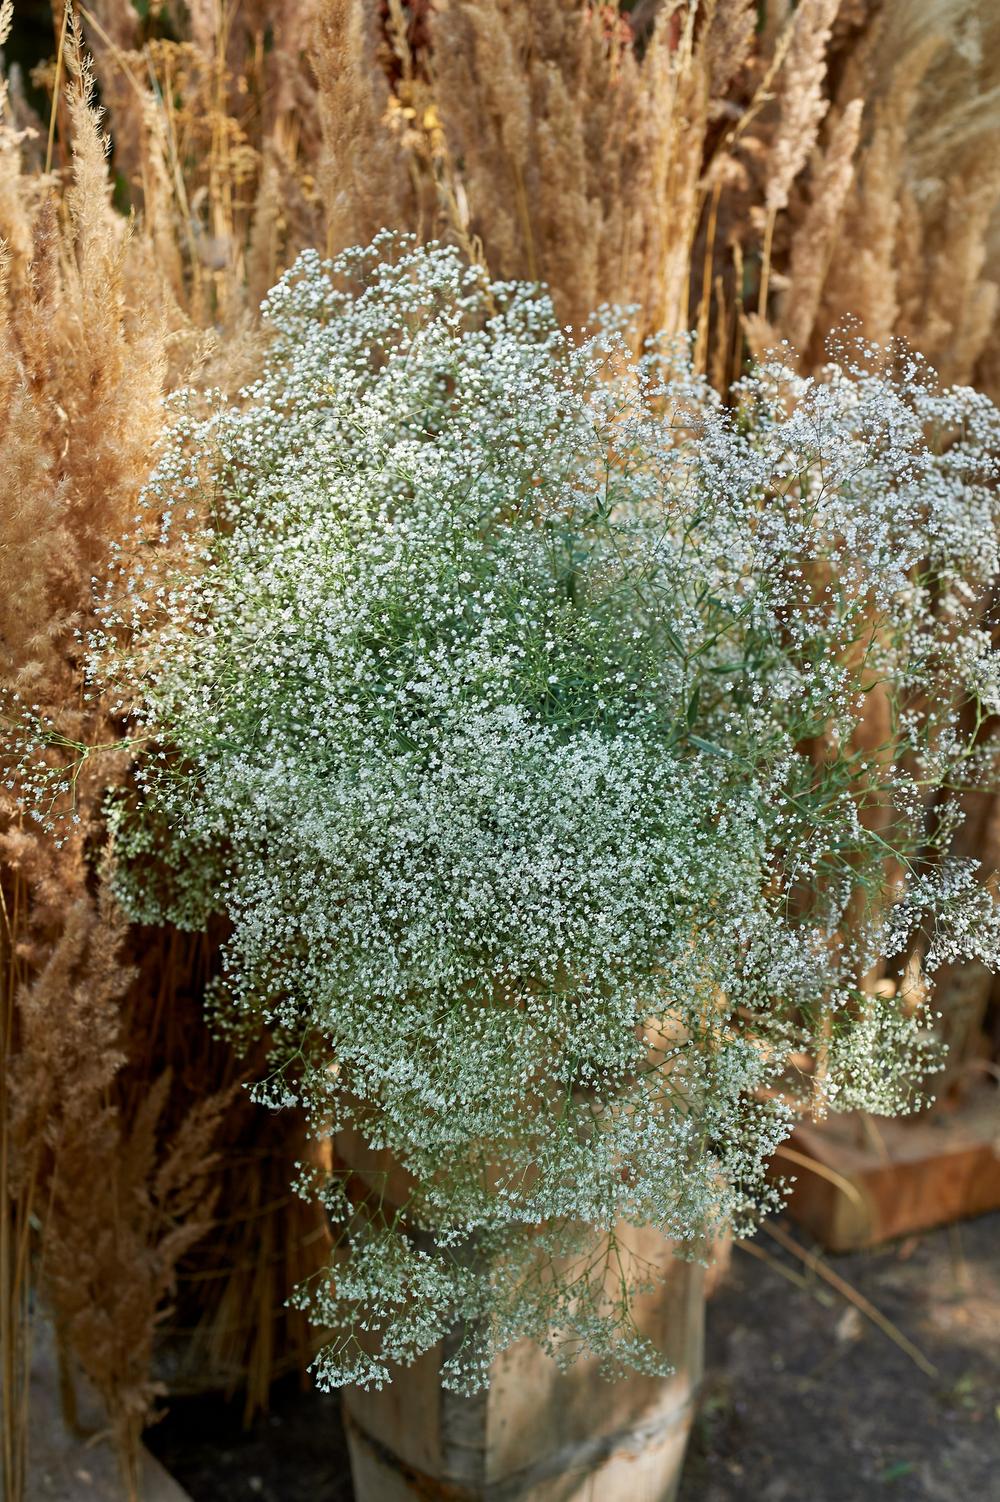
(803, 103)
(581, 162)
(363, 179)
(865, 274)
(285, 216)
(484, 95)
(81, 375)
(949, 299)
(814, 240)
(159, 221)
(912, 258)
(728, 36)
(960, 292)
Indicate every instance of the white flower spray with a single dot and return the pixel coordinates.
(504, 695)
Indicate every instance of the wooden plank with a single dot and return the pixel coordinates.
(538, 1434)
(875, 1179)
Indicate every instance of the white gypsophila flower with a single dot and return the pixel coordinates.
(513, 701)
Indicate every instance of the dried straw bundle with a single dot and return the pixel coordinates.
(536, 136)
(99, 1149)
(894, 224)
(121, 1116)
(707, 160)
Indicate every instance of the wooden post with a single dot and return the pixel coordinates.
(538, 1434)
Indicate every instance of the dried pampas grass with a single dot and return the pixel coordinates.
(916, 251)
(81, 367)
(537, 137)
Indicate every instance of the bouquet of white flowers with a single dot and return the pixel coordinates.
(513, 700)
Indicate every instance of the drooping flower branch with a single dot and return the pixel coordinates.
(512, 700)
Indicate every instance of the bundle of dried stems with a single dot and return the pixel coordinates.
(111, 1161)
(755, 172)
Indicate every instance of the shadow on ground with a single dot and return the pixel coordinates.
(804, 1399)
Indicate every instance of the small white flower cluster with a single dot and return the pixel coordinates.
(505, 695)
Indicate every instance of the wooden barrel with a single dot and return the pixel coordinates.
(537, 1434)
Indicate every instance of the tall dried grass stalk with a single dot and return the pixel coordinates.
(81, 369)
(213, 117)
(803, 106)
(624, 154)
(535, 135)
(913, 256)
(363, 175)
(97, 318)
(813, 242)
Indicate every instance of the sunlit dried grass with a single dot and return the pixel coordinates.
(126, 1137)
(213, 112)
(539, 138)
(911, 255)
(114, 1201)
(832, 161)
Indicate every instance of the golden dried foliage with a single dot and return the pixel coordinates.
(118, 1204)
(916, 250)
(81, 370)
(814, 238)
(695, 157)
(216, 126)
(363, 175)
(536, 136)
(120, 1116)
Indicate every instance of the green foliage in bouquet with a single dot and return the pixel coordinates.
(511, 699)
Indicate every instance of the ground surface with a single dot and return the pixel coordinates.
(68, 1466)
(804, 1399)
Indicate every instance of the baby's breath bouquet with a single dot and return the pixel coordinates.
(512, 700)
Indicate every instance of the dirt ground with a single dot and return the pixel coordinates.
(804, 1399)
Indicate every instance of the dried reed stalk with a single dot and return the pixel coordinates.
(96, 320)
(550, 144)
(216, 130)
(81, 367)
(813, 242)
(803, 106)
(913, 252)
(538, 137)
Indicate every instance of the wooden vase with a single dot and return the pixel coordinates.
(537, 1434)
